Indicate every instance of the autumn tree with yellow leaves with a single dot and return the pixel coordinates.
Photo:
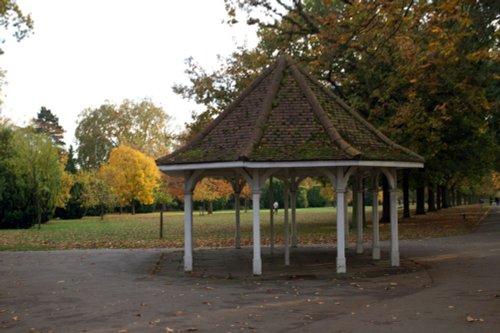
(131, 176)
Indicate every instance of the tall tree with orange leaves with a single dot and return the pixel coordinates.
(210, 189)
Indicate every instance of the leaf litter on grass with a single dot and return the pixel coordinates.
(315, 226)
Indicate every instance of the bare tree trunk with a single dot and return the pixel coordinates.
(161, 219)
(133, 208)
(210, 207)
(102, 211)
(438, 197)
(406, 193)
(430, 198)
(38, 214)
(451, 197)
(420, 200)
(444, 196)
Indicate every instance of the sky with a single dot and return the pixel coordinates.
(83, 53)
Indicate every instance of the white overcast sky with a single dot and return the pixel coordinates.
(85, 52)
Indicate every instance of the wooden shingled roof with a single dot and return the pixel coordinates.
(287, 115)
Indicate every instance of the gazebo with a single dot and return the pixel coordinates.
(289, 125)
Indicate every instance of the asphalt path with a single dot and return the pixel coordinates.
(444, 285)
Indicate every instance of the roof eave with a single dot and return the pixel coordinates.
(175, 168)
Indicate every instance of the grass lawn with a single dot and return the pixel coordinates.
(315, 226)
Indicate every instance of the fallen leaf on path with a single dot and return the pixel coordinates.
(470, 319)
(168, 330)
(191, 329)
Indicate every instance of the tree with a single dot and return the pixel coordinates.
(396, 62)
(48, 123)
(140, 125)
(7, 151)
(162, 194)
(11, 15)
(215, 90)
(72, 206)
(67, 182)
(95, 192)
(131, 175)
(211, 189)
(174, 187)
(38, 171)
(71, 164)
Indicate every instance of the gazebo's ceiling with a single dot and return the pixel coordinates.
(286, 115)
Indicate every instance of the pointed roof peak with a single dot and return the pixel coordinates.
(287, 115)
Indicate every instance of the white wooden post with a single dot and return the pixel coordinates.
(237, 237)
(293, 199)
(287, 233)
(346, 219)
(271, 214)
(394, 227)
(341, 262)
(256, 191)
(340, 191)
(375, 221)
(359, 213)
(190, 179)
(188, 232)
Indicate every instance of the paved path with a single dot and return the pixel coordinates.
(442, 283)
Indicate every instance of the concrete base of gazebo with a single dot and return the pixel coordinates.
(310, 262)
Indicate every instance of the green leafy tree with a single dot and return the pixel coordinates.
(30, 178)
(6, 153)
(141, 125)
(95, 192)
(37, 162)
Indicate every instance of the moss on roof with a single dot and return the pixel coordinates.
(287, 115)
